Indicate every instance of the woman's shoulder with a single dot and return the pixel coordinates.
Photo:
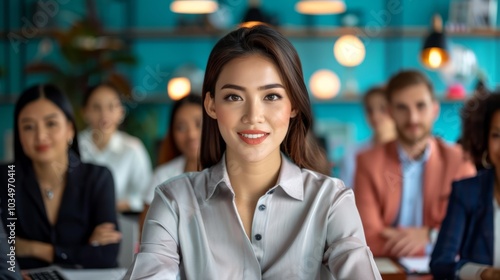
(130, 141)
(91, 170)
(189, 184)
(174, 164)
(471, 187)
(323, 184)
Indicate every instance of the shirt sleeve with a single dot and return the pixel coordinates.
(347, 251)
(158, 257)
(103, 205)
(140, 177)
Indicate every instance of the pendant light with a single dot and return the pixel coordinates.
(435, 49)
(194, 6)
(320, 7)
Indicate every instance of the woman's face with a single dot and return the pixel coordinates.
(252, 108)
(187, 129)
(44, 131)
(104, 111)
(377, 113)
(494, 140)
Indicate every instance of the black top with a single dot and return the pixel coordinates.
(88, 200)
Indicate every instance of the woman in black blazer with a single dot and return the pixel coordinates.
(63, 210)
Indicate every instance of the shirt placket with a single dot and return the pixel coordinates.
(259, 233)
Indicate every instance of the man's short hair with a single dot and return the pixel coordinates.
(405, 79)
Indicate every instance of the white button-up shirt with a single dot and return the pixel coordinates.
(305, 227)
(127, 159)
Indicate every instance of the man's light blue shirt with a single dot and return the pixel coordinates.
(412, 203)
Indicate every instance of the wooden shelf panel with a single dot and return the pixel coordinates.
(198, 32)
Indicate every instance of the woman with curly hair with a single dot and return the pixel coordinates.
(469, 238)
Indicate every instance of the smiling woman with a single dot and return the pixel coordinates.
(261, 208)
(63, 209)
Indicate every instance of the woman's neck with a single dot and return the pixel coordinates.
(384, 136)
(101, 139)
(191, 165)
(51, 174)
(253, 179)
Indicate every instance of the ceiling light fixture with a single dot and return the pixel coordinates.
(194, 6)
(320, 7)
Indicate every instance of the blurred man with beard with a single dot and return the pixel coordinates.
(402, 187)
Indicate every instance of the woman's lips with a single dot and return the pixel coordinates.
(253, 137)
(41, 148)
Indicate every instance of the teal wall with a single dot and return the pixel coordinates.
(384, 55)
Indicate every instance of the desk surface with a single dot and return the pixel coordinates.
(391, 270)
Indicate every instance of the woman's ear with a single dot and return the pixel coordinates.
(294, 113)
(209, 104)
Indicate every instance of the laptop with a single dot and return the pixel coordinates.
(46, 273)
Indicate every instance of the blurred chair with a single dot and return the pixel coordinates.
(129, 227)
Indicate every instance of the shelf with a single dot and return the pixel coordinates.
(318, 32)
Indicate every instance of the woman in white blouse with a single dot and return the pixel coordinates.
(180, 149)
(468, 245)
(102, 143)
(259, 209)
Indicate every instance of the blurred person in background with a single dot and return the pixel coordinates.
(179, 150)
(382, 125)
(102, 143)
(401, 187)
(468, 245)
(64, 208)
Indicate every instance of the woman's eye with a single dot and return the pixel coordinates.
(232, 97)
(51, 124)
(27, 127)
(273, 97)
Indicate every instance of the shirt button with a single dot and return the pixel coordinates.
(271, 191)
(258, 237)
(64, 256)
(262, 207)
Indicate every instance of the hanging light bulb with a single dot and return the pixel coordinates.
(194, 6)
(435, 50)
(320, 7)
(178, 87)
(324, 84)
(349, 50)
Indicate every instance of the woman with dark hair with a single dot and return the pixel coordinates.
(467, 245)
(260, 208)
(179, 151)
(380, 121)
(63, 209)
(103, 144)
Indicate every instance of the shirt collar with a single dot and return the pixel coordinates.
(290, 179)
(115, 143)
(404, 158)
